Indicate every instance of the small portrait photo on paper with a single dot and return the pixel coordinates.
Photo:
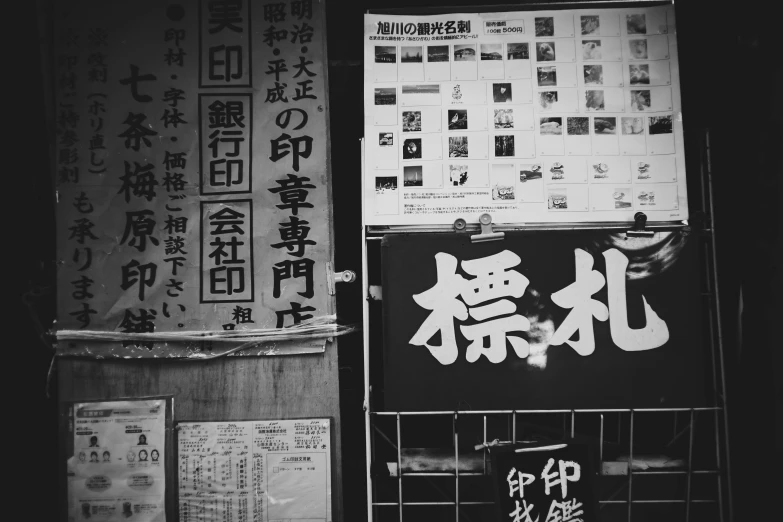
(458, 147)
(660, 124)
(632, 126)
(545, 26)
(411, 121)
(551, 126)
(591, 49)
(413, 176)
(594, 74)
(437, 53)
(547, 76)
(578, 126)
(410, 54)
(385, 96)
(639, 74)
(638, 49)
(385, 139)
(384, 184)
(385, 54)
(546, 99)
(465, 53)
(517, 51)
(636, 23)
(504, 118)
(545, 51)
(411, 148)
(640, 101)
(591, 24)
(504, 146)
(491, 51)
(458, 119)
(594, 100)
(501, 93)
(605, 125)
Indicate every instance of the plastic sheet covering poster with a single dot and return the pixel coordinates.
(569, 116)
(191, 170)
(117, 471)
(258, 471)
(546, 320)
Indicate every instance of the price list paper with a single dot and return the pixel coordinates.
(569, 116)
(259, 471)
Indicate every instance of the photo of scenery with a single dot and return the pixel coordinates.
(636, 24)
(545, 51)
(411, 149)
(551, 126)
(501, 93)
(504, 146)
(385, 54)
(640, 74)
(438, 53)
(465, 53)
(410, 54)
(385, 139)
(545, 26)
(594, 100)
(423, 88)
(578, 126)
(385, 96)
(605, 125)
(590, 25)
(458, 147)
(530, 172)
(413, 176)
(640, 100)
(517, 51)
(504, 118)
(661, 124)
(411, 121)
(491, 51)
(458, 119)
(594, 74)
(547, 76)
(385, 184)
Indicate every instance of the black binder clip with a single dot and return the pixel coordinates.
(486, 231)
(639, 224)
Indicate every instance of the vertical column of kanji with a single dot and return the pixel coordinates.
(295, 151)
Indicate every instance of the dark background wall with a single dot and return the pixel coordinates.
(732, 83)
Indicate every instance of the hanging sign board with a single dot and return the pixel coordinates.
(262, 471)
(541, 321)
(546, 481)
(191, 167)
(570, 116)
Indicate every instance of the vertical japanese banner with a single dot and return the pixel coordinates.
(191, 170)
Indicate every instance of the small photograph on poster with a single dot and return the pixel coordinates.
(501, 93)
(420, 94)
(547, 100)
(578, 126)
(411, 148)
(545, 51)
(660, 124)
(413, 176)
(386, 155)
(385, 54)
(504, 146)
(632, 140)
(609, 170)
(639, 74)
(632, 126)
(504, 118)
(566, 171)
(410, 54)
(491, 51)
(458, 147)
(465, 93)
(551, 126)
(547, 76)
(591, 25)
(622, 198)
(517, 63)
(638, 49)
(658, 169)
(502, 182)
(517, 51)
(530, 188)
(545, 26)
(593, 74)
(591, 50)
(386, 195)
(385, 67)
(491, 63)
(557, 199)
(385, 139)
(643, 171)
(557, 172)
(385, 96)
(604, 138)
(577, 138)
(437, 53)
(640, 101)
(660, 136)
(656, 197)
(645, 198)
(458, 119)
(465, 53)
(636, 23)
(594, 100)
(469, 175)
(603, 126)
(411, 121)
(530, 172)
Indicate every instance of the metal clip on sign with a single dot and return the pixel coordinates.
(486, 231)
(639, 224)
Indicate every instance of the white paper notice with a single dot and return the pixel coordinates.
(118, 468)
(457, 103)
(259, 471)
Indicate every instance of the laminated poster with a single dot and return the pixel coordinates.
(117, 472)
(519, 114)
(256, 471)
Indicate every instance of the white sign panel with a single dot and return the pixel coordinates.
(533, 117)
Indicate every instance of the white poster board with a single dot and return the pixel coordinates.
(258, 471)
(570, 116)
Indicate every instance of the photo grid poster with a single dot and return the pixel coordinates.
(531, 116)
(191, 182)
(255, 471)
